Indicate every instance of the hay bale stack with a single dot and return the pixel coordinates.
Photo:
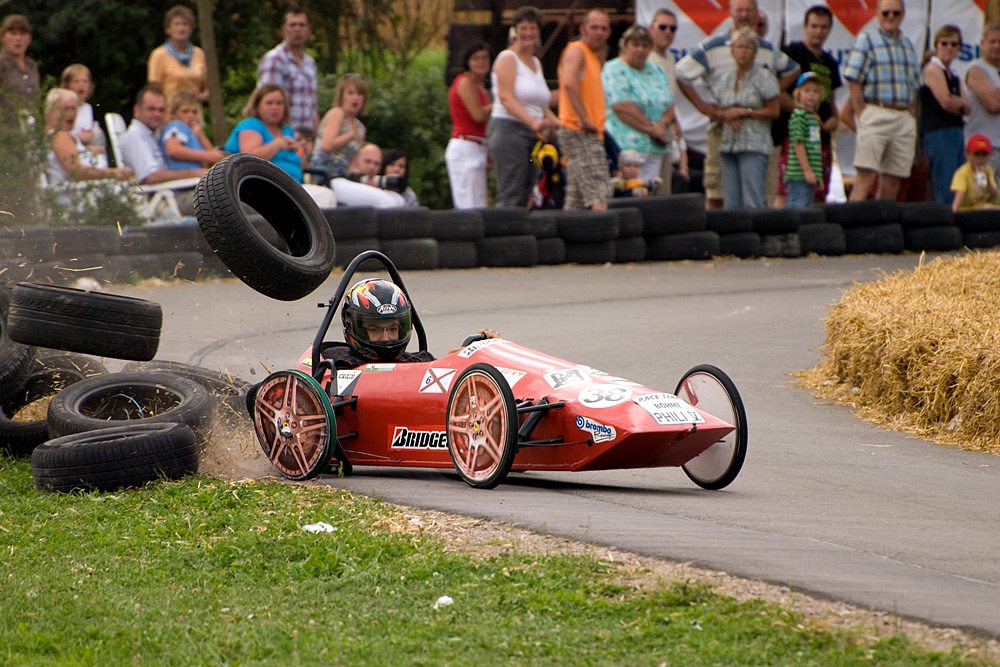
(919, 351)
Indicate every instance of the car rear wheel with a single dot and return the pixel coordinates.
(482, 426)
(710, 390)
(295, 424)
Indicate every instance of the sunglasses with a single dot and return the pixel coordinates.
(944, 43)
(666, 26)
(892, 12)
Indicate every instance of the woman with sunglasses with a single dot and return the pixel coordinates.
(943, 103)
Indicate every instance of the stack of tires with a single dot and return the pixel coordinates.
(980, 229)
(869, 226)
(101, 430)
(675, 227)
(457, 233)
(735, 229)
(355, 229)
(929, 226)
(778, 229)
(508, 239)
(405, 237)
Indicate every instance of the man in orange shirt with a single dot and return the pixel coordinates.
(582, 112)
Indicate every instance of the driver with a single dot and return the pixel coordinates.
(377, 327)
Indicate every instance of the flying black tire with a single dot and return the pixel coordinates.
(767, 221)
(19, 437)
(351, 222)
(740, 244)
(981, 239)
(729, 221)
(942, 237)
(457, 255)
(457, 225)
(111, 458)
(65, 318)
(780, 245)
(917, 214)
(590, 253)
(983, 220)
(15, 359)
(401, 222)
(688, 245)
(505, 221)
(629, 250)
(243, 179)
(822, 238)
(500, 251)
(117, 399)
(543, 224)
(551, 251)
(877, 239)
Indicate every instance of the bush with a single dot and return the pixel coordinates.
(410, 112)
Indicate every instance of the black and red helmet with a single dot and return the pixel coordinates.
(372, 302)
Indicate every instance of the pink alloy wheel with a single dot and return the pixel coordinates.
(482, 435)
(294, 423)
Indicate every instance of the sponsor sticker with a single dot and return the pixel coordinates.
(472, 348)
(667, 409)
(604, 395)
(386, 309)
(511, 375)
(379, 368)
(346, 380)
(437, 380)
(566, 377)
(406, 438)
(598, 432)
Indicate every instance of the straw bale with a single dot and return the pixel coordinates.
(919, 351)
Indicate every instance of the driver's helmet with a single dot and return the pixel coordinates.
(373, 303)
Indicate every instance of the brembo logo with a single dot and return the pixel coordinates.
(404, 438)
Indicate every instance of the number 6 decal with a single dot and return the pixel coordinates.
(604, 395)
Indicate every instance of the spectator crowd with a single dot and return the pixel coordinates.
(609, 130)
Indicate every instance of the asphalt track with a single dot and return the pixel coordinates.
(825, 503)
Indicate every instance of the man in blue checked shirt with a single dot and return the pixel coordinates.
(883, 74)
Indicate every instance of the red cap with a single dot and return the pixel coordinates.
(978, 142)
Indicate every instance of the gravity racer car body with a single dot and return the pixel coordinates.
(489, 408)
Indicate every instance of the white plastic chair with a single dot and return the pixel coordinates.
(160, 194)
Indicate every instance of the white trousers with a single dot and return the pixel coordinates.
(466, 161)
(352, 193)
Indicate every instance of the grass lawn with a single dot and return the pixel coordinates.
(210, 572)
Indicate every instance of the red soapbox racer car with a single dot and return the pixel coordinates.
(489, 408)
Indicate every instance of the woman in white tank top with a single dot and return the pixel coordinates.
(521, 111)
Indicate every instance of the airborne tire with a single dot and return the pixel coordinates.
(110, 458)
(243, 179)
(65, 318)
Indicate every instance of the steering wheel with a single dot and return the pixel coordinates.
(473, 338)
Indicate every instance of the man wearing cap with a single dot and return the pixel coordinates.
(812, 57)
(974, 183)
(883, 74)
(982, 81)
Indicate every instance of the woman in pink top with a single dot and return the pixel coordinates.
(466, 155)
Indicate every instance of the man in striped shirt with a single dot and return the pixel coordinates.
(883, 74)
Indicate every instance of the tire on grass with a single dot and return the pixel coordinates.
(118, 399)
(19, 437)
(66, 318)
(219, 202)
(111, 458)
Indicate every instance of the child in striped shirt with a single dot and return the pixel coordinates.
(804, 175)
